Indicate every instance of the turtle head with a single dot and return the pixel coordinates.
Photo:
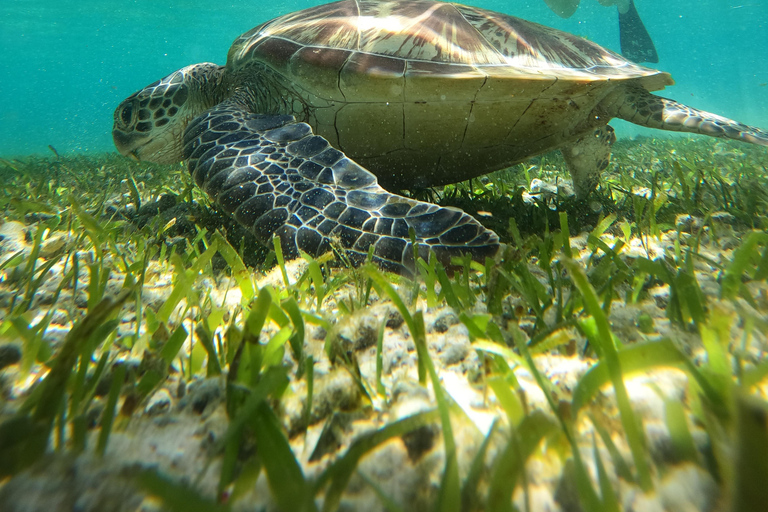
(149, 125)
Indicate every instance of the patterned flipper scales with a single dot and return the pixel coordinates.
(275, 177)
(638, 106)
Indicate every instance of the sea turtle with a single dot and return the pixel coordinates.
(418, 92)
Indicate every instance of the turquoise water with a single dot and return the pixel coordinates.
(66, 65)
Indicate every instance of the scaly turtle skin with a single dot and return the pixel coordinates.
(418, 92)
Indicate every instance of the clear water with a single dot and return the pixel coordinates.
(66, 65)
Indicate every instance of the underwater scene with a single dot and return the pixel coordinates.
(396, 255)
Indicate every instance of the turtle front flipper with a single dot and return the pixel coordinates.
(638, 106)
(275, 177)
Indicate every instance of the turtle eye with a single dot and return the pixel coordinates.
(126, 114)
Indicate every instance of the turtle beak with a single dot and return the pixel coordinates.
(122, 142)
(126, 144)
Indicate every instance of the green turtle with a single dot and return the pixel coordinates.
(316, 111)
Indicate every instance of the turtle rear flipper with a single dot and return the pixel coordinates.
(275, 177)
(638, 106)
(587, 157)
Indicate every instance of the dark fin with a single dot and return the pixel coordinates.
(587, 157)
(636, 43)
(638, 106)
(275, 177)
